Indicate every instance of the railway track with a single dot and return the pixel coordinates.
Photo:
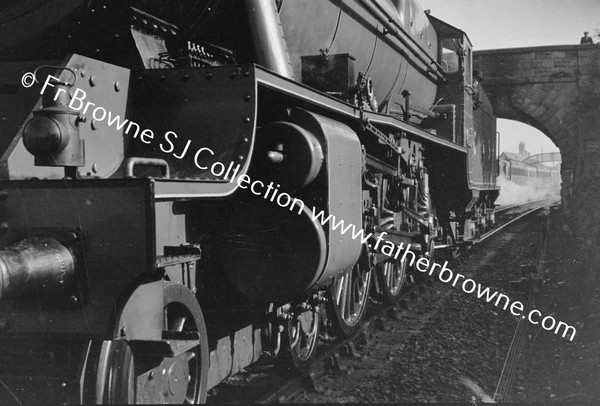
(505, 216)
(511, 363)
(281, 385)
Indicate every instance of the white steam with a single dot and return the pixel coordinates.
(513, 193)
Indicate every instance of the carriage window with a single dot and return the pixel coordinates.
(450, 48)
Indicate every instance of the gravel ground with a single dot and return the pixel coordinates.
(554, 368)
(451, 337)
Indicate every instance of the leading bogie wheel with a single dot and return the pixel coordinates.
(115, 381)
(174, 370)
(303, 338)
(188, 372)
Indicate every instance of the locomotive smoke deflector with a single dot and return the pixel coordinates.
(52, 135)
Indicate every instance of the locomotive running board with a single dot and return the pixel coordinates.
(304, 93)
(246, 86)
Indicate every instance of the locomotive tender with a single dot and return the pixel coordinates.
(134, 268)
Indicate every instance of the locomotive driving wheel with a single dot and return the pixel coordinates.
(349, 297)
(390, 277)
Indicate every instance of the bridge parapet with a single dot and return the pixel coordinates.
(547, 64)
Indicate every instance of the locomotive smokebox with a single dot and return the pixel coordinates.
(36, 265)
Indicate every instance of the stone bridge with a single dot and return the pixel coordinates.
(556, 89)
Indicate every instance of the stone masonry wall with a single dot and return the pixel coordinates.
(557, 90)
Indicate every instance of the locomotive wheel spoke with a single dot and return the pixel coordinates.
(350, 295)
(391, 276)
(191, 355)
(178, 324)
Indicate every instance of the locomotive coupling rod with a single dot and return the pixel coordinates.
(36, 264)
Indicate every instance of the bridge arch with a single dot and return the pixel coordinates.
(555, 89)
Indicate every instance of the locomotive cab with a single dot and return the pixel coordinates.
(456, 95)
(464, 116)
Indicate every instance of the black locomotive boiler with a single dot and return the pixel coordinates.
(161, 185)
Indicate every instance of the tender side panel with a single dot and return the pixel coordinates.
(482, 160)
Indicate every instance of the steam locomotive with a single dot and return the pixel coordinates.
(162, 179)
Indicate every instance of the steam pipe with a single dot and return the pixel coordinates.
(36, 263)
(267, 33)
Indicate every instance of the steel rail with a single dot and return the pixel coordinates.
(330, 356)
(542, 204)
(511, 361)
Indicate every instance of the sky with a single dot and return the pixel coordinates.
(494, 24)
